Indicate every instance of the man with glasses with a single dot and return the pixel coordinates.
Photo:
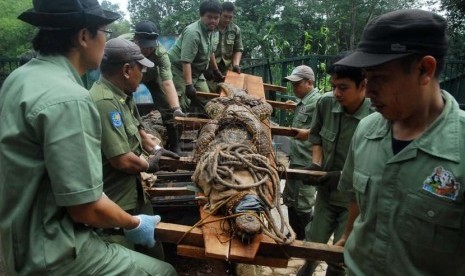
(51, 188)
(298, 197)
(335, 119)
(123, 136)
(192, 53)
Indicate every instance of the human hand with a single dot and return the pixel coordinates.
(217, 76)
(190, 91)
(302, 134)
(330, 180)
(313, 167)
(236, 68)
(154, 162)
(144, 233)
(177, 112)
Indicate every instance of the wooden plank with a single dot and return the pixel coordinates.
(199, 253)
(171, 233)
(272, 87)
(198, 123)
(254, 86)
(235, 79)
(215, 236)
(168, 191)
(243, 252)
(274, 104)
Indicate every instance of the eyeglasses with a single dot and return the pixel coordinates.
(108, 33)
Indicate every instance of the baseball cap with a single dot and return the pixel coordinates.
(397, 34)
(299, 73)
(120, 50)
(146, 34)
(67, 14)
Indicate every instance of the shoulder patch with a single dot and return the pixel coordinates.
(115, 118)
(442, 183)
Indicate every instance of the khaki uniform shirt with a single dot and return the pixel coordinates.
(49, 159)
(120, 134)
(194, 46)
(229, 42)
(412, 205)
(332, 128)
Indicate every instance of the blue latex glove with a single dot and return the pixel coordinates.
(143, 234)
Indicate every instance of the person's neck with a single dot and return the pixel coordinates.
(353, 108)
(77, 61)
(415, 125)
(222, 27)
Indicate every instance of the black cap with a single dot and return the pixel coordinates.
(67, 14)
(120, 50)
(397, 34)
(146, 34)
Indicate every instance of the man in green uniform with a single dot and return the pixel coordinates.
(298, 197)
(159, 80)
(405, 166)
(336, 117)
(51, 178)
(192, 53)
(229, 49)
(123, 135)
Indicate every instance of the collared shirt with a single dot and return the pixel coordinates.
(229, 41)
(194, 46)
(162, 69)
(412, 205)
(120, 134)
(332, 128)
(301, 151)
(49, 159)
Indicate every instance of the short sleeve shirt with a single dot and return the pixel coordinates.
(229, 42)
(333, 128)
(412, 205)
(301, 151)
(162, 69)
(120, 134)
(50, 159)
(194, 46)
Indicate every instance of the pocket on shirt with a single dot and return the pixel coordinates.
(432, 222)
(328, 137)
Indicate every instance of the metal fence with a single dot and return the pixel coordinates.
(452, 78)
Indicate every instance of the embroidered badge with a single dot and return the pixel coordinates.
(231, 36)
(442, 183)
(115, 118)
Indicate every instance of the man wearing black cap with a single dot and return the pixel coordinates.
(405, 166)
(123, 136)
(51, 177)
(159, 80)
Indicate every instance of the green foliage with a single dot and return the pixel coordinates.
(15, 35)
(122, 25)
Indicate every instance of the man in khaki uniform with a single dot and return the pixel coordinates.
(336, 117)
(51, 178)
(192, 53)
(299, 197)
(229, 49)
(123, 135)
(405, 167)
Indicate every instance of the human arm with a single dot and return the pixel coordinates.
(170, 92)
(302, 134)
(217, 75)
(236, 60)
(317, 154)
(354, 211)
(148, 142)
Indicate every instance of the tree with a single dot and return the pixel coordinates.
(15, 35)
(455, 13)
(122, 25)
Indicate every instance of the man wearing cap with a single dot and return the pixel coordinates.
(192, 53)
(229, 49)
(335, 119)
(298, 197)
(405, 165)
(159, 80)
(51, 178)
(123, 135)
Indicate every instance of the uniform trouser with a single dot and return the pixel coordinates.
(327, 219)
(98, 257)
(200, 85)
(299, 199)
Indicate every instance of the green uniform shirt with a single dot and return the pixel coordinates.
(120, 134)
(332, 128)
(229, 42)
(194, 46)
(49, 159)
(301, 151)
(412, 206)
